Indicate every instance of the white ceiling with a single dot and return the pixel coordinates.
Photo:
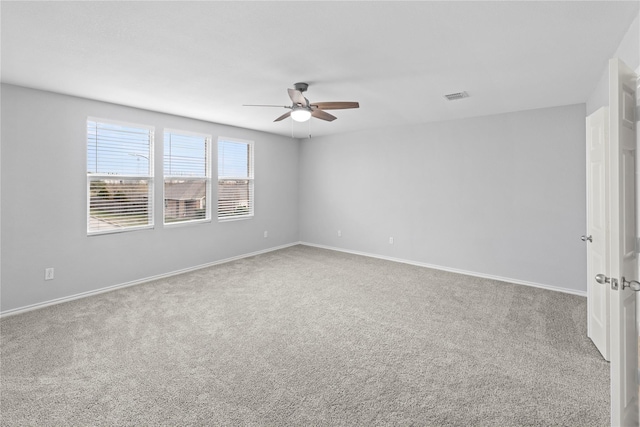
(205, 59)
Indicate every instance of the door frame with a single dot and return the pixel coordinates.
(622, 243)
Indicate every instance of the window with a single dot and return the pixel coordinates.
(119, 176)
(187, 177)
(235, 179)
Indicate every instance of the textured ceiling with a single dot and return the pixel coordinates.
(205, 59)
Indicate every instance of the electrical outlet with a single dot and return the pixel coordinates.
(391, 240)
(48, 273)
(266, 234)
(339, 233)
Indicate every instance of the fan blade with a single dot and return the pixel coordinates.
(284, 116)
(335, 105)
(263, 105)
(296, 97)
(322, 115)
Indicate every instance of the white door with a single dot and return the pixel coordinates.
(597, 229)
(623, 257)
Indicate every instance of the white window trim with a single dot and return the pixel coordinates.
(150, 128)
(99, 177)
(208, 194)
(251, 179)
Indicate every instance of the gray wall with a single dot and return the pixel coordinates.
(44, 202)
(500, 196)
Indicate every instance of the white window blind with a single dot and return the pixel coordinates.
(119, 176)
(187, 177)
(235, 179)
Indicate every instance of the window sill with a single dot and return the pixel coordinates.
(119, 230)
(186, 223)
(235, 218)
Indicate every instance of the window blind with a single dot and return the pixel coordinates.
(187, 177)
(235, 179)
(119, 176)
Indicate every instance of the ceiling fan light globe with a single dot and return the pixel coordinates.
(300, 114)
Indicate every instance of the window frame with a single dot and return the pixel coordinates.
(208, 206)
(250, 178)
(91, 177)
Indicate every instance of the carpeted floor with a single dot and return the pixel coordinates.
(305, 336)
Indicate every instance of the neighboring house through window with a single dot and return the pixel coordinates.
(235, 179)
(187, 177)
(119, 176)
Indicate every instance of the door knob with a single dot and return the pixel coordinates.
(633, 284)
(585, 238)
(602, 279)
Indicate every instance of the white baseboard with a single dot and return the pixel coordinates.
(454, 270)
(222, 261)
(136, 282)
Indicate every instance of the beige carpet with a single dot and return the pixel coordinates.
(305, 336)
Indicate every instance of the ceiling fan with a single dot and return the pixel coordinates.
(302, 110)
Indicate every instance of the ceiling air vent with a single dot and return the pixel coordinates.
(457, 95)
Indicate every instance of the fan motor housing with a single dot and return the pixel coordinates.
(301, 87)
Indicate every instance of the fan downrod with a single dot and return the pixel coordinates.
(301, 87)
